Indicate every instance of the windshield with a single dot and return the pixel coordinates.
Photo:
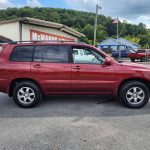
(132, 51)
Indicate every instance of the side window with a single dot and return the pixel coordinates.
(22, 54)
(89, 56)
(38, 54)
(53, 54)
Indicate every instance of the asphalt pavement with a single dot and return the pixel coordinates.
(73, 123)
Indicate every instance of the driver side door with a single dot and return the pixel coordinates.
(89, 74)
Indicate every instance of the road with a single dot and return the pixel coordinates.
(73, 123)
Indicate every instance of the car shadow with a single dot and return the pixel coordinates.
(69, 106)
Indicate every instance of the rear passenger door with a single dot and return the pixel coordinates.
(19, 63)
(51, 68)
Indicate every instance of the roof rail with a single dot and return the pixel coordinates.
(47, 41)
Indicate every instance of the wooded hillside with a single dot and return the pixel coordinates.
(83, 22)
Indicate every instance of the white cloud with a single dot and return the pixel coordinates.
(84, 5)
(134, 11)
(143, 19)
(5, 4)
(33, 3)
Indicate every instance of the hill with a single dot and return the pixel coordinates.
(83, 22)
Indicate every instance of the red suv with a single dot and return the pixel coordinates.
(31, 70)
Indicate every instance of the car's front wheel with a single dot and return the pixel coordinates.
(26, 94)
(134, 94)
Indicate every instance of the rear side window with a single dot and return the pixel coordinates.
(22, 54)
(53, 54)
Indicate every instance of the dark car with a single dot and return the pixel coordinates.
(124, 53)
(32, 70)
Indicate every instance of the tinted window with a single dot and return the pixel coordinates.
(38, 54)
(51, 54)
(22, 54)
(141, 51)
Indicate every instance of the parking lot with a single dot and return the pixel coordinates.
(73, 123)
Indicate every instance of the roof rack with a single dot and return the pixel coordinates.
(47, 41)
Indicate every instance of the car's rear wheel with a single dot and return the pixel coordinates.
(26, 94)
(134, 94)
(132, 60)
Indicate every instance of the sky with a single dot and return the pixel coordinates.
(134, 11)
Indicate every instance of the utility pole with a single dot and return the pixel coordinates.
(95, 28)
(117, 28)
(118, 47)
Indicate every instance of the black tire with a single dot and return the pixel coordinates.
(132, 60)
(125, 88)
(33, 89)
(143, 59)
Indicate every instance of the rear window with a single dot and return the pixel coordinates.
(141, 51)
(22, 54)
(53, 54)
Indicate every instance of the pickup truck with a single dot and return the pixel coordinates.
(141, 54)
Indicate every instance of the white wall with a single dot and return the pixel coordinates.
(26, 31)
(10, 30)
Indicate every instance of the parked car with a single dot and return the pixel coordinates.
(124, 53)
(32, 70)
(141, 54)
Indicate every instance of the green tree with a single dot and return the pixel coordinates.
(83, 22)
(133, 39)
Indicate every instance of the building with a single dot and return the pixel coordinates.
(4, 39)
(29, 29)
(115, 44)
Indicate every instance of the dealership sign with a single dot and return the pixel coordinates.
(42, 36)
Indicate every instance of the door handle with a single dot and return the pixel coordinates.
(37, 66)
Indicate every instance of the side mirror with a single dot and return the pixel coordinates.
(107, 61)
